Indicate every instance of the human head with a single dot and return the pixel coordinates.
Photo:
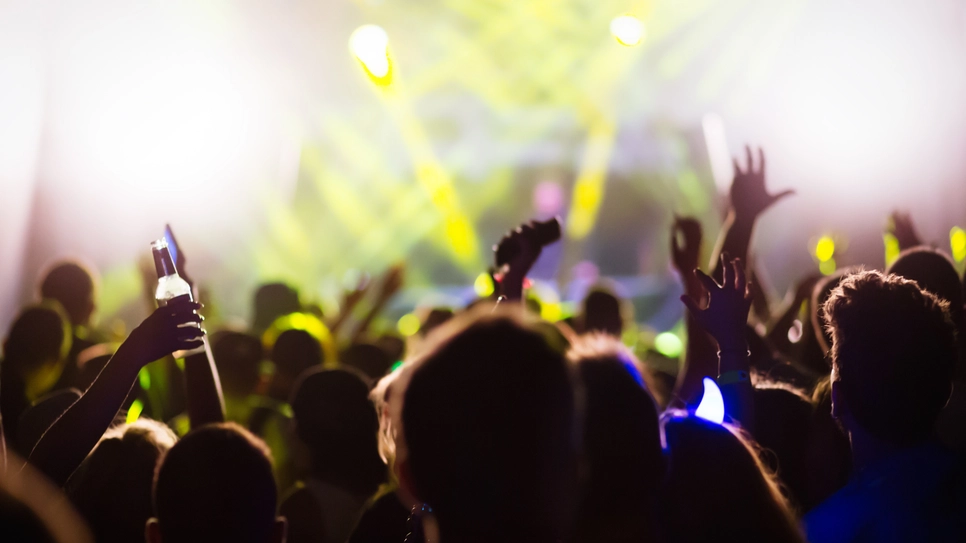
(238, 356)
(823, 289)
(35, 352)
(602, 312)
(783, 420)
(294, 352)
(622, 461)
(893, 354)
(935, 272)
(488, 425)
(73, 285)
(112, 487)
(216, 484)
(717, 489)
(369, 359)
(272, 300)
(336, 420)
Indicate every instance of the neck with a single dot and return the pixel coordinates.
(868, 450)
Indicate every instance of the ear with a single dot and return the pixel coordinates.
(280, 532)
(152, 531)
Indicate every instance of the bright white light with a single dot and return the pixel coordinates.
(712, 403)
(718, 154)
(370, 44)
(628, 30)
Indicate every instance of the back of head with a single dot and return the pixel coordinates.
(783, 419)
(623, 464)
(112, 487)
(369, 359)
(718, 490)
(933, 271)
(823, 289)
(238, 357)
(72, 285)
(34, 353)
(602, 312)
(296, 351)
(488, 420)
(893, 354)
(272, 300)
(216, 484)
(336, 420)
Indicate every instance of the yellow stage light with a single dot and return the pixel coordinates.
(483, 285)
(825, 249)
(891, 248)
(370, 45)
(669, 344)
(957, 242)
(628, 30)
(408, 324)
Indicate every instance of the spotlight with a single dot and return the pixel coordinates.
(370, 45)
(628, 30)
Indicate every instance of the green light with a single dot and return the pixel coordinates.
(483, 285)
(408, 324)
(668, 344)
(144, 377)
(891, 248)
(825, 249)
(396, 366)
(957, 242)
(134, 412)
(828, 267)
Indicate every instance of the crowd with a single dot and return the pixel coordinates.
(493, 425)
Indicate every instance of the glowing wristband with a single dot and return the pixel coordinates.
(733, 376)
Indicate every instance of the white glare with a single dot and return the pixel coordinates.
(370, 44)
(628, 30)
(712, 404)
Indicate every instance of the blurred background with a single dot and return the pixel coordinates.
(313, 141)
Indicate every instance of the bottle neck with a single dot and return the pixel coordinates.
(163, 263)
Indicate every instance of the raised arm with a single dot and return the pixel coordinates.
(519, 250)
(749, 199)
(724, 319)
(700, 358)
(902, 227)
(68, 441)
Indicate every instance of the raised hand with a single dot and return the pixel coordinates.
(174, 327)
(685, 255)
(901, 226)
(749, 197)
(728, 305)
(527, 249)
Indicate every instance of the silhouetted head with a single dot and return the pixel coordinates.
(602, 312)
(294, 352)
(829, 453)
(369, 359)
(72, 285)
(823, 289)
(488, 425)
(433, 319)
(622, 460)
(32, 510)
(216, 484)
(273, 300)
(783, 421)
(35, 352)
(717, 489)
(238, 356)
(338, 423)
(893, 356)
(932, 270)
(112, 487)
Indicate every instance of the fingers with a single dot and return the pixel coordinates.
(737, 167)
(781, 195)
(707, 282)
(741, 283)
(727, 271)
(187, 345)
(761, 161)
(189, 333)
(751, 164)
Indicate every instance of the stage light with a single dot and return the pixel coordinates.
(668, 344)
(628, 30)
(712, 406)
(137, 407)
(957, 243)
(370, 45)
(144, 379)
(825, 249)
(483, 286)
(408, 324)
(892, 249)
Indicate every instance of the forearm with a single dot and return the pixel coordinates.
(735, 384)
(512, 286)
(735, 239)
(700, 361)
(69, 440)
(203, 389)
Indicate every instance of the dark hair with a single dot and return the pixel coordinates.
(238, 356)
(717, 488)
(935, 272)
(112, 487)
(369, 359)
(296, 351)
(622, 460)
(40, 333)
(602, 312)
(272, 300)
(336, 420)
(216, 485)
(72, 285)
(783, 419)
(488, 420)
(894, 352)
